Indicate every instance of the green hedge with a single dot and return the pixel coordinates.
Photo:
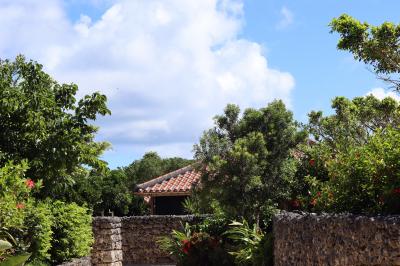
(72, 232)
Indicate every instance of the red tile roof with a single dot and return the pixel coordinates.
(178, 182)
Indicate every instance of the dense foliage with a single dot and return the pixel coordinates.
(152, 165)
(42, 123)
(353, 165)
(216, 241)
(250, 167)
(72, 232)
(46, 146)
(202, 244)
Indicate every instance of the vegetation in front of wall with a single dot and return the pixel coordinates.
(216, 241)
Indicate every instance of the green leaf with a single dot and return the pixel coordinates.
(4, 245)
(16, 260)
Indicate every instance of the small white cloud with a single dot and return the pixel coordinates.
(380, 93)
(287, 18)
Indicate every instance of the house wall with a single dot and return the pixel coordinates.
(310, 239)
(132, 240)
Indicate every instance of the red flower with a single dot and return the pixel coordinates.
(186, 245)
(295, 203)
(312, 162)
(20, 206)
(319, 194)
(396, 190)
(30, 183)
(313, 202)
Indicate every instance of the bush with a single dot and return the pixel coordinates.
(202, 244)
(39, 222)
(361, 179)
(251, 245)
(72, 232)
(14, 194)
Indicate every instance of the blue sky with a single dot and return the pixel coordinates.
(168, 66)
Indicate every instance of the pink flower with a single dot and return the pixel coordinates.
(20, 206)
(30, 183)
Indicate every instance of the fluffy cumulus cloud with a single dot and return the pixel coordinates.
(167, 66)
(380, 93)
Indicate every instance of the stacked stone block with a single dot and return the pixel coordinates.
(107, 247)
(133, 240)
(310, 239)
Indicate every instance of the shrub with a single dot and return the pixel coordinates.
(251, 245)
(72, 232)
(195, 246)
(361, 179)
(39, 222)
(14, 194)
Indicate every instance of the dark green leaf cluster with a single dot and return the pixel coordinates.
(355, 158)
(250, 167)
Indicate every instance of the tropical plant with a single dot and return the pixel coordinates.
(194, 246)
(251, 246)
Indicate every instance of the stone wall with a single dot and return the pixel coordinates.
(310, 239)
(85, 261)
(132, 240)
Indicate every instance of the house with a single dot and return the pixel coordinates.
(166, 194)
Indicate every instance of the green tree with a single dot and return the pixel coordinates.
(112, 190)
(249, 163)
(353, 121)
(353, 165)
(378, 46)
(152, 165)
(42, 122)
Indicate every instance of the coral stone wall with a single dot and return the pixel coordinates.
(132, 240)
(310, 239)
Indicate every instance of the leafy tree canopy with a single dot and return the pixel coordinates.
(353, 165)
(250, 169)
(378, 46)
(353, 121)
(152, 165)
(43, 123)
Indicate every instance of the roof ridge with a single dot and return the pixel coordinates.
(166, 176)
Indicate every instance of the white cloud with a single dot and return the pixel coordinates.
(380, 93)
(287, 18)
(167, 66)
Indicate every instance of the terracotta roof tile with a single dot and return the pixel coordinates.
(179, 181)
